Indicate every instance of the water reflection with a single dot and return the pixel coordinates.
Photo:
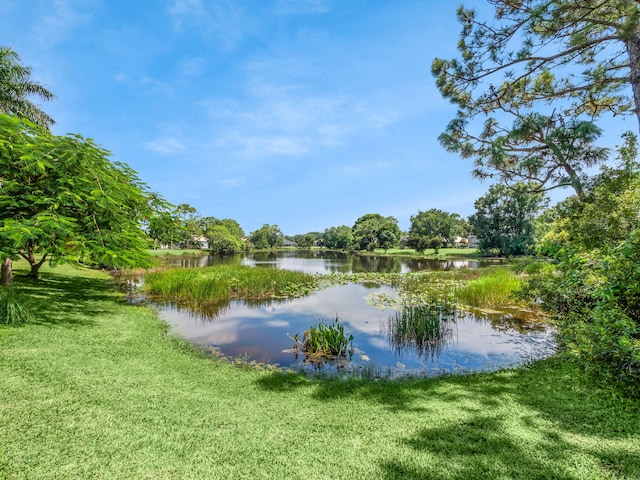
(322, 261)
(259, 330)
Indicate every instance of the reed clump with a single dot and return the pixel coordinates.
(426, 326)
(326, 340)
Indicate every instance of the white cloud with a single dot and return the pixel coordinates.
(261, 146)
(191, 67)
(165, 146)
(62, 17)
(223, 21)
(231, 182)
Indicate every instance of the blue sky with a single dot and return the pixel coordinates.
(302, 113)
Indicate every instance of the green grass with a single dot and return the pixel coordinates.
(494, 289)
(95, 388)
(220, 283)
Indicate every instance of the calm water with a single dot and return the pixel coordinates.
(260, 331)
(318, 261)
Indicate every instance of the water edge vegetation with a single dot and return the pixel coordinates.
(94, 386)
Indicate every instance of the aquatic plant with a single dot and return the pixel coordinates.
(427, 327)
(326, 340)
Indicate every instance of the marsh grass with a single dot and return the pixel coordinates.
(427, 327)
(495, 289)
(221, 283)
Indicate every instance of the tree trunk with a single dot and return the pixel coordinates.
(35, 267)
(6, 273)
(633, 49)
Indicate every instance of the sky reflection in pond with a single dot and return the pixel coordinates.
(259, 332)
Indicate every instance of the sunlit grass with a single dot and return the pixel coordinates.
(494, 289)
(94, 388)
(210, 285)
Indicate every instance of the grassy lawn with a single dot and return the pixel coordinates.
(95, 388)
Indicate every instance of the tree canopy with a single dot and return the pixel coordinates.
(373, 230)
(504, 219)
(267, 236)
(63, 199)
(539, 75)
(535, 52)
(16, 86)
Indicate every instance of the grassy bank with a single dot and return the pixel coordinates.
(94, 388)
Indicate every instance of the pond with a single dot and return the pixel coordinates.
(261, 331)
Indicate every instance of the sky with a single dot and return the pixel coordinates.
(305, 114)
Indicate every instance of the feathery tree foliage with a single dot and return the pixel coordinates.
(545, 69)
(63, 200)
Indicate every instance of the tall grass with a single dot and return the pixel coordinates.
(427, 327)
(217, 284)
(495, 289)
(13, 310)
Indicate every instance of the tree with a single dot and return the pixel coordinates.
(580, 56)
(222, 241)
(164, 228)
(524, 70)
(504, 218)
(267, 236)
(546, 152)
(190, 221)
(16, 86)
(306, 240)
(63, 200)
(234, 227)
(436, 223)
(340, 237)
(368, 229)
(603, 217)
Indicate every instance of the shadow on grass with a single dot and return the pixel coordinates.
(537, 422)
(54, 298)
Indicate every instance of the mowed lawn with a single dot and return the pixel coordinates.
(96, 388)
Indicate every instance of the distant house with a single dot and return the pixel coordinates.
(460, 242)
(201, 242)
(472, 241)
(288, 243)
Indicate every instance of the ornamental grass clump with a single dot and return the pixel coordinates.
(12, 307)
(327, 340)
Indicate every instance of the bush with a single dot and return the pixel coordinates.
(595, 297)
